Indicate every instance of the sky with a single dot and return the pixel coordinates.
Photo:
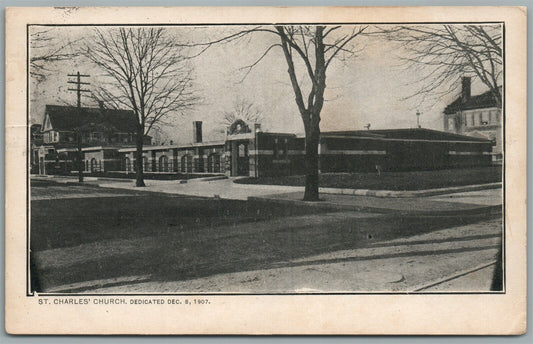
(372, 87)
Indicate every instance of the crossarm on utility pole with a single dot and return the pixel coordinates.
(78, 91)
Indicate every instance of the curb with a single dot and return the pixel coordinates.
(334, 206)
(378, 193)
(63, 180)
(409, 194)
(204, 179)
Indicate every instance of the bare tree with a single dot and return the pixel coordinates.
(316, 45)
(243, 110)
(146, 72)
(445, 52)
(313, 49)
(45, 50)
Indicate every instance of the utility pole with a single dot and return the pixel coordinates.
(418, 119)
(79, 90)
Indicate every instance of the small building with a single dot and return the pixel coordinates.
(477, 116)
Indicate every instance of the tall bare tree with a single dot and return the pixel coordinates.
(45, 50)
(445, 52)
(146, 72)
(243, 110)
(316, 47)
(311, 49)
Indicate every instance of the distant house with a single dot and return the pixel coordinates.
(97, 125)
(100, 128)
(476, 116)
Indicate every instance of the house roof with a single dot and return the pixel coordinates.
(484, 100)
(67, 118)
(404, 134)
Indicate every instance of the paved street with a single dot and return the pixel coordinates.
(131, 241)
(393, 265)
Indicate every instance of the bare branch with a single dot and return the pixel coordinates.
(45, 50)
(446, 52)
(242, 110)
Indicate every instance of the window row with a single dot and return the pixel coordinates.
(479, 118)
(93, 137)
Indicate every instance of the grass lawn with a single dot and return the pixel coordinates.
(75, 221)
(412, 180)
(176, 237)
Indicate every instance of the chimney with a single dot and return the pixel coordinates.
(465, 90)
(101, 105)
(197, 131)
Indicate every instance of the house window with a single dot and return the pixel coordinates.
(276, 152)
(473, 119)
(465, 120)
(485, 117)
(451, 123)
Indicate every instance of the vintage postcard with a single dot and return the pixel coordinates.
(266, 170)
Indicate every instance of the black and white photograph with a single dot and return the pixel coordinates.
(291, 158)
(266, 158)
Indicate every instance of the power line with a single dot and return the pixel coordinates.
(78, 84)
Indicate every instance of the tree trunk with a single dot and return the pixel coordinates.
(139, 176)
(312, 138)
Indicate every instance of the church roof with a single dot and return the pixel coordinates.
(405, 134)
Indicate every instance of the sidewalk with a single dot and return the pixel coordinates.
(473, 202)
(469, 202)
(221, 188)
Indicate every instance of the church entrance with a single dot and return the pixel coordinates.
(240, 161)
